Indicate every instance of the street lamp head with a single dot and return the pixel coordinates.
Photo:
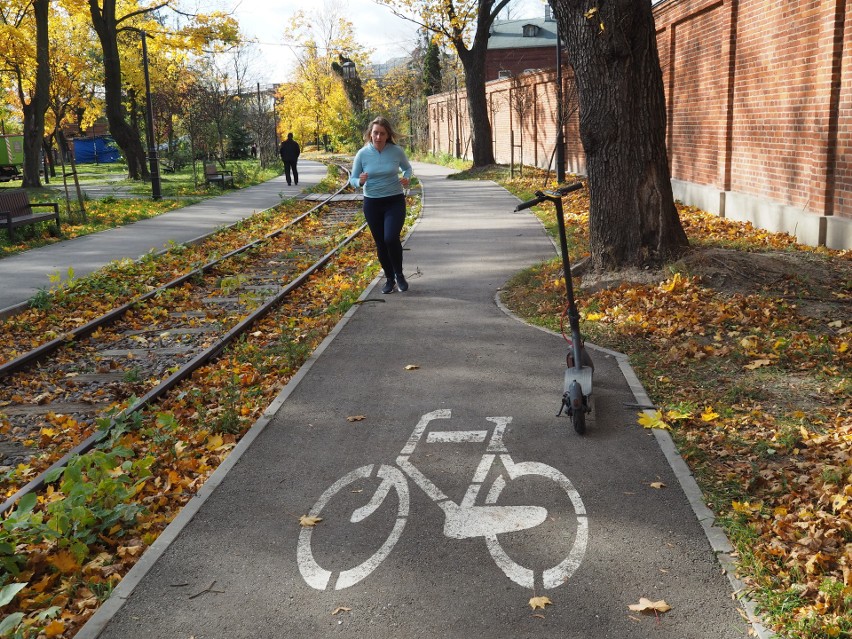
(348, 69)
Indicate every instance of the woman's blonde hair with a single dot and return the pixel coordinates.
(382, 122)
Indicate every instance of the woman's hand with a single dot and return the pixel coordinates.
(362, 178)
(404, 181)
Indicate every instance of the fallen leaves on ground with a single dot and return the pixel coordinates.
(646, 605)
(744, 352)
(540, 602)
(307, 521)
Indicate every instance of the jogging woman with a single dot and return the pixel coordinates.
(377, 169)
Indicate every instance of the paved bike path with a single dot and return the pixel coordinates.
(445, 357)
(23, 274)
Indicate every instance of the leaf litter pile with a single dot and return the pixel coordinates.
(744, 347)
(63, 551)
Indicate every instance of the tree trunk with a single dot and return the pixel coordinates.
(127, 138)
(34, 110)
(473, 62)
(613, 50)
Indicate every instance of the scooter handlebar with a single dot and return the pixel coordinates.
(530, 203)
(565, 190)
(541, 196)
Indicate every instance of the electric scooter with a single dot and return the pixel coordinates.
(577, 388)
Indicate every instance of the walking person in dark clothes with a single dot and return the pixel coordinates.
(377, 169)
(290, 151)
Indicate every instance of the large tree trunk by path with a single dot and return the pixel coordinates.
(34, 109)
(481, 145)
(473, 61)
(613, 50)
(127, 138)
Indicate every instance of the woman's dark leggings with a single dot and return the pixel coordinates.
(386, 217)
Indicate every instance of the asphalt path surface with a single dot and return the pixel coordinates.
(454, 498)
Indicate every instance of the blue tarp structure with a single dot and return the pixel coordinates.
(99, 150)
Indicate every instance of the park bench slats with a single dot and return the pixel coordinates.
(213, 173)
(16, 210)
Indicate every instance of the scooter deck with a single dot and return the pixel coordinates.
(583, 375)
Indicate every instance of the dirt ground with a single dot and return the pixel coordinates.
(820, 286)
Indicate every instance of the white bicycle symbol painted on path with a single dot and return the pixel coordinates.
(463, 520)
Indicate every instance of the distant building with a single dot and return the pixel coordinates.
(516, 46)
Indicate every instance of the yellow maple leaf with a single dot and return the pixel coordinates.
(646, 605)
(748, 343)
(590, 13)
(540, 602)
(844, 346)
(648, 419)
(54, 628)
(306, 521)
(214, 442)
(594, 317)
(709, 415)
(64, 562)
(45, 581)
(678, 414)
(744, 507)
(757, 364)
(672, 284)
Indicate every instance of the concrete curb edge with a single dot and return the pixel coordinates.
(719, 542)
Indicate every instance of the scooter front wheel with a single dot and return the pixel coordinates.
(577, 407)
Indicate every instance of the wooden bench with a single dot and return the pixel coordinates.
(213, 173)
(16, 210)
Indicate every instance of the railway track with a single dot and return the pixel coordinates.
(129, 358)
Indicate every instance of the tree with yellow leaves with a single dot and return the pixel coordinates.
(113, 21)
(314, 104)
(26, 54)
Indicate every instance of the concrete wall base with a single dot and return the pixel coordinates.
(808, 228)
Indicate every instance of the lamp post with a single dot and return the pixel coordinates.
(149, 126)
(560, 130)
(275, 113)
(348, 69)
(458, 138)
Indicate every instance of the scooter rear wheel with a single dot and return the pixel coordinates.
(578, 419)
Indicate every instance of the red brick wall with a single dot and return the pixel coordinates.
(691, 53)
(759, 101)
(842, 202)
(518, 60)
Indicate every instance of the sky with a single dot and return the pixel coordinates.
(376, 27)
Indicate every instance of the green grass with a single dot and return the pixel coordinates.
(181, 188)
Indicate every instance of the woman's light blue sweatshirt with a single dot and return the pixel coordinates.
(382, 168)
